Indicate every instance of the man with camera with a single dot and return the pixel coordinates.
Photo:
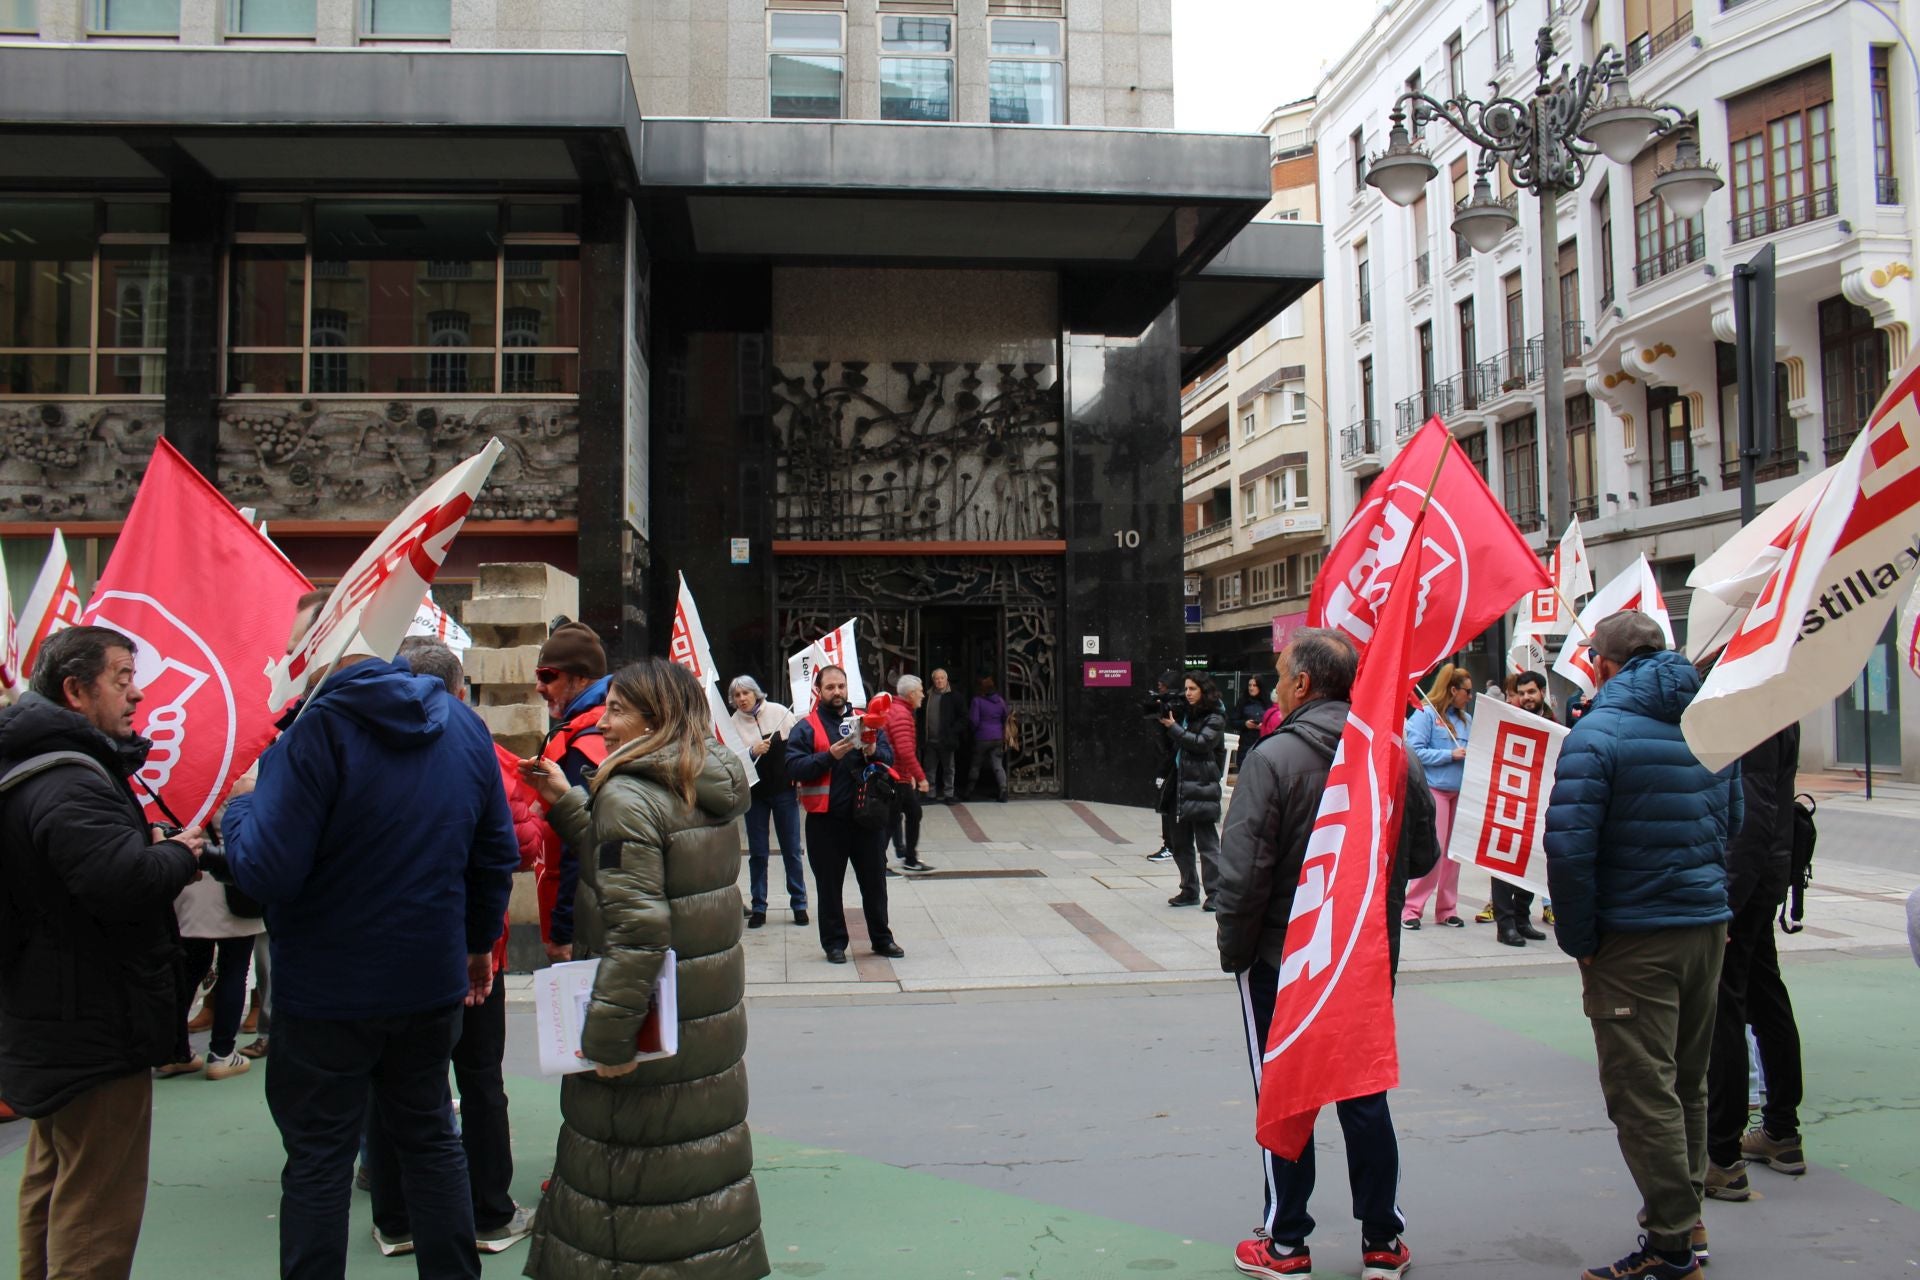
(828, 755)
(90, 964)
(1164, 701)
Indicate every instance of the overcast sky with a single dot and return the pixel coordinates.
(1236, 60)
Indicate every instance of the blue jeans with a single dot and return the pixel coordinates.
(784, 809)
(319, 1080)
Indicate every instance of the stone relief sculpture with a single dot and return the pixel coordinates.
(944, 450)
(74, 461)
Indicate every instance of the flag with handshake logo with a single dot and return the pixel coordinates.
(1827, 580)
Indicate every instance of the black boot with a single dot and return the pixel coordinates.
(1510, 935)
(1528, 931)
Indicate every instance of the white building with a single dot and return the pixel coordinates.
(1808, 109)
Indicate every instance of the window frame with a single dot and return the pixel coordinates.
(1249, 502)
(370, 33)
(1224, 599)
(1357, 148)
(839, 54)
(1249, 425)
(99, 13)
(1502, 32)
(1842, 348)
(1520, 470)
(311, 352)
(882, 57)
(1056, 60)
(1669, 423)
(1456, 66)
(16, 29)
(236, 29)
(1603, 201)
(1580, 442)
(1880, 95)
(1789, 162)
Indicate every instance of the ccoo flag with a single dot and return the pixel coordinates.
(689, 648)
(1634, 590)
(52, 605)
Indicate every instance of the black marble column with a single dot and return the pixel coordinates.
(612, 555)
(1123, 569)
(196, 217)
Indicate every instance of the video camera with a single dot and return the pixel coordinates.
(1158, 706)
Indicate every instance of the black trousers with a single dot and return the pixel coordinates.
(942, 772)
(1511, 903)
(906, 824)
(320, 1078)
(835, 843)
(483, 1126)
(1752, 994)
(229, 993)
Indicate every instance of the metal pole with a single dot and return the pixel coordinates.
(1553, 417)
(1744, 375)
(1866, 719)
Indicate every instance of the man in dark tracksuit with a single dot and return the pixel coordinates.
(1261, 851)
(1759, 864)
(826, 754)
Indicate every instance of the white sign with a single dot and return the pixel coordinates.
(834, 649)
(562, 993)
(1502, 811)
(739, 550)
(1276, 526)
(1090, 644)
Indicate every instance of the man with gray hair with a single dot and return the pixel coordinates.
(1636, 841)
(1261, 852)
(902, 727)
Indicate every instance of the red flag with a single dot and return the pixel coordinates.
(209, 603)
(1332, 1035)
(1474, 563)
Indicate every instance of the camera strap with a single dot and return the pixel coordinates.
(158, 802)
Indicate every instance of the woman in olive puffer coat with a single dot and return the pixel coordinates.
(653, 1177)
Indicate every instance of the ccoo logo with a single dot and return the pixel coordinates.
(1354, 605)
(188, 700)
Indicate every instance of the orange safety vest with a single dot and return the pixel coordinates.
(814, 795)
(582, 731)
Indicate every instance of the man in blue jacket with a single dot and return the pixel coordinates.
(1637, 832)
(378, 837)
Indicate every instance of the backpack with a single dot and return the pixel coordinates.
(1800, 872)
(875, 797)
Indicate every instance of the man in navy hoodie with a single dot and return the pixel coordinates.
(379, 838)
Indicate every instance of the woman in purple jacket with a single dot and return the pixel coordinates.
(988, 713)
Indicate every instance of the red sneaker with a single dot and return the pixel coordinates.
(1384, 1262)
(1258, 1257)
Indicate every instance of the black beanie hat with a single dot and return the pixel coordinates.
(574, 648)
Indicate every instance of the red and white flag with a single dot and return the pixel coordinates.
(374, 602)
(1726, 583)
(1332, 1036)
(202, 596)
(1549, 611)
(1841, 568)
(833, 649)
(11, 676)
(53, 605)
(1910, 632)
(1634, 589)
(1473, 563)
(690, 649)
(1502, 810)
(431, 620)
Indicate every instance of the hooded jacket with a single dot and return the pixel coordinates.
(379, 838)
(1636, 827)
(1275, 802)
(89, 959)
(653, 1175)
(579, 725)
(1199, 744)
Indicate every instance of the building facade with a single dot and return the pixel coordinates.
(1807, 108)
(841, 308)
(1254, 454)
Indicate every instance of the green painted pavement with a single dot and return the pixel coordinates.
(1860, 1041)
(216, 1187)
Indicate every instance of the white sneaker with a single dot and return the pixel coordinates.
(503, 1238)
(231, 1065)
(393, 1246)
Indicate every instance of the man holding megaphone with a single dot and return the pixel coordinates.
(839, 759)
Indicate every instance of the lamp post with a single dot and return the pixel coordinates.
(1547, 143)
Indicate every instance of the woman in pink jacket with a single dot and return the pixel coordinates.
(903, 733)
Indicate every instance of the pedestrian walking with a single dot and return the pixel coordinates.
(944, 716)
(1274, 807)
(828, 757)
(653, 1172)
(988, 715)
(1198, 736)
(1636, 845)
(379, 838)
(908, 695)
(91, 978)
(1437, 737)
(570, 674)
(767, 726)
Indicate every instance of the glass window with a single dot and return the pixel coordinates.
(1026, 84)
(916, 88)
(83, 307)
(1855, 359)
(1580, 464)
(1456, 67)
(1670, 446)
(19, 16)
(1879, 89)
(137, 17)
(271, 17)
(806, 74)
(905, 34)
(267, 287)
(1502, 30)
(409, 17)
(1249, 504)
(1520, 470)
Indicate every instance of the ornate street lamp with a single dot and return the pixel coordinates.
(1546, 143)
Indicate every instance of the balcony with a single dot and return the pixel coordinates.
(1514, 369)
(1440, 399)
(1207, 461)
(1666, 263)
(1207, 533)
(1886, 190)
(1206, 384)
(1788, 213)
(1527, 519)
(1423, 269)
(1644, 48)
(1665, 489)
(1587, 508)
(1573, 342)
(1360, 444)
(1293, 142)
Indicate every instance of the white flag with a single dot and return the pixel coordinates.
(1634, 589)
(374, 602)
(1502, 810)
(1841, 567)
(53, 605)
(431, 620)
(1548, 612)
(689, 648)
(1909, 639)
(1727, 582)
(833, 649)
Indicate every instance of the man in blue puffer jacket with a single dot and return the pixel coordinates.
(1637, 834)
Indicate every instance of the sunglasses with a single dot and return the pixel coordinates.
(546, 675)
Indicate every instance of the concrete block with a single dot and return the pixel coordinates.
(560, 588)
(526, 611)
(519, 718)
(512, 666)
(524, 906)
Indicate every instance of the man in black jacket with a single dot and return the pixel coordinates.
(1759, 861)
(1274, 805)
(90, 960)
(941, 718)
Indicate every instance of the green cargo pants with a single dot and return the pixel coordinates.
(1650, 997)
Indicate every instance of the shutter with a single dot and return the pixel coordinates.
(1647, 165)
(1638, 16)
(1748, 113)
(1569, 257)
(1420, 225)
(1662, 14)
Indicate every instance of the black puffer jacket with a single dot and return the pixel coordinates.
(1199, 737)
(1265, 838)
(89, 954)
(1760, 854)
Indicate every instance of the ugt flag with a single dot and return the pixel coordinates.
(1634, 590)
(833, 649)
(203, 596)
(1473, 562)
(690, 649)
(52, 605)
(1332, 1035)
(1841, 568)
(374, 603)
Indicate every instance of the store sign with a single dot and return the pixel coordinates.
(1283, 526)
(1194, 585)
(1193, 615)
(1284, 625)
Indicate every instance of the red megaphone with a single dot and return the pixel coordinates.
(875, 716)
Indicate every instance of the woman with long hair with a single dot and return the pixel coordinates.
(1437, 735)
(658, 816)
(1200, 751)
(1253, 708)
